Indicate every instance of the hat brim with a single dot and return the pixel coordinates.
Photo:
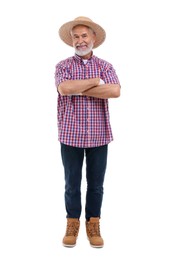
(65, 29)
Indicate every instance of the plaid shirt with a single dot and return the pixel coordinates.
(84, 121)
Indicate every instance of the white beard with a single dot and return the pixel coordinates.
(84, 52)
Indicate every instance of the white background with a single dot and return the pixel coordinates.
(136, 208)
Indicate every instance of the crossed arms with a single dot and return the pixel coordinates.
(89, 87)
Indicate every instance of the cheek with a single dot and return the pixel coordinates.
(74, 44)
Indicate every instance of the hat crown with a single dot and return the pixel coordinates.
(83, 18)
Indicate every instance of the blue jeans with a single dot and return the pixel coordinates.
(96, 160)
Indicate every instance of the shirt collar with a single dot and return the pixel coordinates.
(79, 59)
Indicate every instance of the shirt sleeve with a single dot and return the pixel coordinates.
(61, 74)
(109, 75)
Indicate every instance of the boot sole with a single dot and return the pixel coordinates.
(95, 246)
(65, 245)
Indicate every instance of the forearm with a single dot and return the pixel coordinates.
(103, 91)
(70, 87)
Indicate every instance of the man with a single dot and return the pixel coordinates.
(84, 83)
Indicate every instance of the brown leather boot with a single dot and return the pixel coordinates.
(72, 230)
(93, 232)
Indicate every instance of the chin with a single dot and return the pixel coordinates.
(83, 53)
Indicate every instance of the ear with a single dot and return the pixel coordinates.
(94, 38)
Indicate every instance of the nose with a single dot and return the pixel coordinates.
(80, 40)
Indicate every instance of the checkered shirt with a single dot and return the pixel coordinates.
(84, 121)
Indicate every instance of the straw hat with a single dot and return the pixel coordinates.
(64, 31)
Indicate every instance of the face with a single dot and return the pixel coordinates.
(83, 40)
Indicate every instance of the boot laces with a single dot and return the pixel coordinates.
(94, 229)
(72, 229)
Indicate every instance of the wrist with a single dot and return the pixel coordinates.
(98, 81)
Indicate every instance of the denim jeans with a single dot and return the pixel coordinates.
(96, 160)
